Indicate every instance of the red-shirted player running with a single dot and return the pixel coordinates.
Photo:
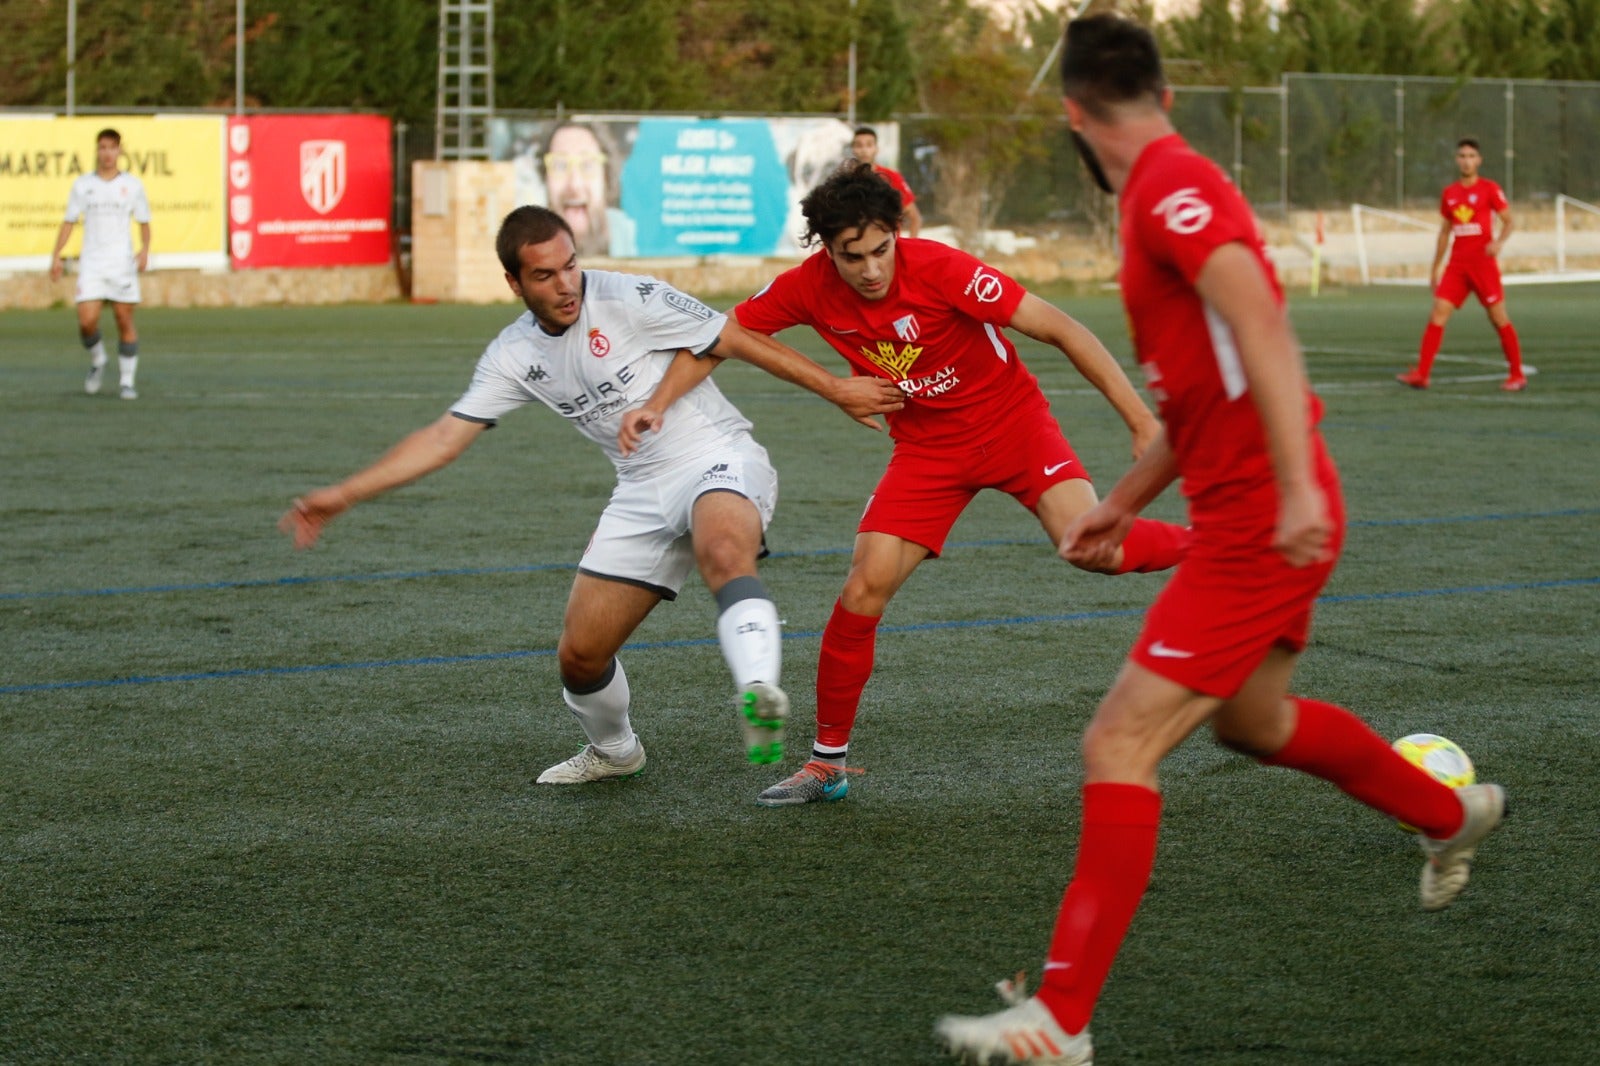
(1221, 642)
(1469, 207)
(931, 317)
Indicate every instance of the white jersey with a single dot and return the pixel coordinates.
(609, 361)
(106, 208)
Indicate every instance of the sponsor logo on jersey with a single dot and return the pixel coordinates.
(719, 475)
(322, 174)
(1463, 213)
(536, 374)
(906, 328)
(985, 286)
(645, 290)
(688, 305)
(599, 344)
(1184, 212)
(897, 361)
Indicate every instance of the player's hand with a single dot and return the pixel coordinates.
(143, 260)
(1094, 540)
(862, 397)
(1305, 533)
(635, 424)
(304, 520)
(1492, 249)
(1438, 276)
(55, 269)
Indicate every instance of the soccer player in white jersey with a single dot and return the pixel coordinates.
(693, 487)
(108, 267)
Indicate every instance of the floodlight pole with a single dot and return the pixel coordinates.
(850, 105)
(238, 57)
(72, 56)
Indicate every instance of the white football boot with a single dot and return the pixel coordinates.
(1449, 863)
(1025, 1031)
(590, 765)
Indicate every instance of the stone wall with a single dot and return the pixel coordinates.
(205, 288)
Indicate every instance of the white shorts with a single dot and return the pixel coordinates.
(643, 536)
(118, 286)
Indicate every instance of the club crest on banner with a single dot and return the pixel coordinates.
(322, 174)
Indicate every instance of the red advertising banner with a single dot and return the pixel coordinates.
(309, 190)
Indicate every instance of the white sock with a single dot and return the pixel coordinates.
(129, 365)
(749, 632)
(97, 354)
(603, 714)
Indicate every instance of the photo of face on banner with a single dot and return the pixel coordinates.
(574, 168)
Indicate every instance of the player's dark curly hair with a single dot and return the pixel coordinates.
(529, 224)
(1110, 60)
(851, 198)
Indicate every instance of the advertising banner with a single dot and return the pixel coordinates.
(178, 157)
(309, 190)
(662, 187)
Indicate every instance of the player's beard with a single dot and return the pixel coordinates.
(1091, 161)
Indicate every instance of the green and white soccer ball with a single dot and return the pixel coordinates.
(1439, 756)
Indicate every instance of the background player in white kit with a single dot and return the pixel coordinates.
(593, 346)
(108, 269)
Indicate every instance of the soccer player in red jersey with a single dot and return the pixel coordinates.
(932, 318)
(1220, 644)
(864, 146)
(1469, 206)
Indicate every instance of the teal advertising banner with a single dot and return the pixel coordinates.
(705, 186)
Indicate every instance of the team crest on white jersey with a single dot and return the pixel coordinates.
(906, 328)
(599, 344)
(1184, 212)
(322, 174)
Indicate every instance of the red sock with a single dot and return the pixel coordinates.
(1336, 746)
(1115, 855)
(1152, 546)
(1512, 347)
(843, 667)
(1432, 337)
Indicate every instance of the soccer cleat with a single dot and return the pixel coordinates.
(1514, 383)
(91, 382)
(1449, 863)
(1413, 378)
(1026, 1031)
(589, 765)
(128, 393)
(762, 709)
(814, 781)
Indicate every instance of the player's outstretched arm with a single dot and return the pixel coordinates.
(684, 373)
(1507, 224)
(419, 453)
(1234, 283)
(1091, 542)
(1048, 324)
(858, 397)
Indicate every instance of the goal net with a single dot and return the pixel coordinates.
(1556, 243)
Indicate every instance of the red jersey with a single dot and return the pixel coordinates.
(1470, 210)
(1177, 208)
(936, 332)
(893, 177)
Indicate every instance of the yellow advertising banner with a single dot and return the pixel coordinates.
(178, 157)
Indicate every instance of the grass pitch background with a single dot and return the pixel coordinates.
(263, 807)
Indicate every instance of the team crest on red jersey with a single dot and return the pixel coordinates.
(599, 346)
(906, 328)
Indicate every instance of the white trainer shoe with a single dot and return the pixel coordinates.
(590, 765)
(1449, 863)
(91, 381)
(762, 710)
(128, 393)
(1025, 1032)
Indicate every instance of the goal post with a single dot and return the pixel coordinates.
(1359, 213)
(1563, 201)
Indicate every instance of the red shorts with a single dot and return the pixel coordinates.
(1233, 598)
(923, 492)
(1480, 275)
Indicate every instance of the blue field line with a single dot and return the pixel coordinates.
(532, 568)
(652, 645)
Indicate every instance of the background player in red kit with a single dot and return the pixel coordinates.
(1221, 641)
(930, 317)
(1469, 207)
(864, 147)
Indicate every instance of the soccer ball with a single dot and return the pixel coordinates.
(1439, 756)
